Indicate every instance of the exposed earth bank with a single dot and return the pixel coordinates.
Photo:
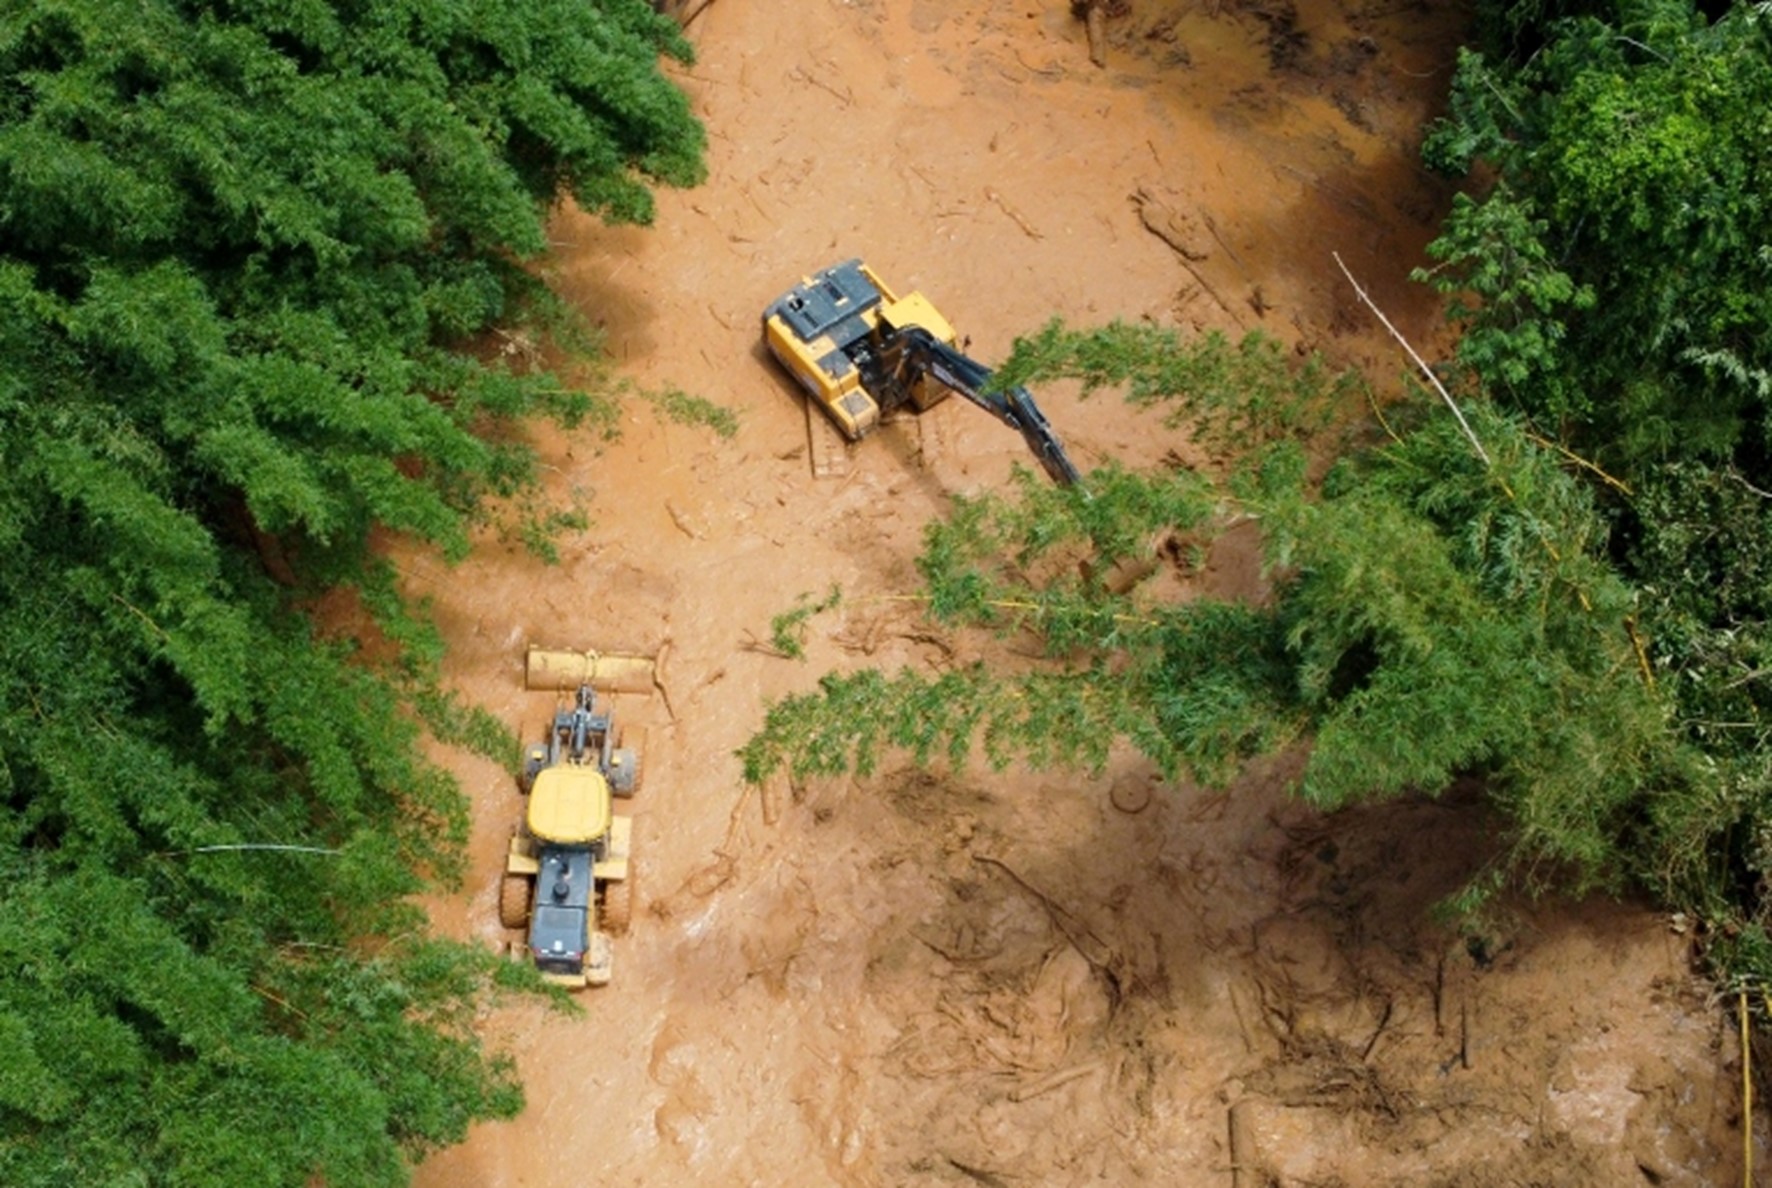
(979, 979)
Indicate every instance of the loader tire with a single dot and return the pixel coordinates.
(513, 901)
(618, 904)
(632, 773)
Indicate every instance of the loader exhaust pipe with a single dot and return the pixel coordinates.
(607, 672)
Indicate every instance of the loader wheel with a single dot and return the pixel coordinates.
(513, 901)
(535, 757)
(618, 904)
(629, 773)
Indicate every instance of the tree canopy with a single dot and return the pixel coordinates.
(1614, 278)
(246, 249)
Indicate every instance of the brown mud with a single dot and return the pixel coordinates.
(1010, 979)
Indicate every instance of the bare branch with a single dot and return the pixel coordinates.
(1419, 362)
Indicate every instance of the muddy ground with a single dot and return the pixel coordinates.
(1022, 979)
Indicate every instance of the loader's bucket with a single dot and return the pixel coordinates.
(607, 672)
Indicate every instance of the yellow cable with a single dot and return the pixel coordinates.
(1615, 483)
(1630, 625)
(1747, 1101)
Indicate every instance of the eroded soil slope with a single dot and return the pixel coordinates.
(969, 978)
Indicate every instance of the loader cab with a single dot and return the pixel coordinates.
(560, 925)
(568, 882)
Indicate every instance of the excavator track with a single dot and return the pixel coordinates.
(825, 446)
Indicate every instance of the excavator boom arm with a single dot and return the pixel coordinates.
(1015, 408)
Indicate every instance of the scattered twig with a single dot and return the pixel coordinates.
(139, 613)
(1002, 204)
(1636, 641)
(771, 797)
(1095, 24)
(1633, 41)
(1617, 484)
(1242, 1023)
(1166, 221)
(1378, 412)
(1097, 952)
(1439, 995)
(988, 1179)
(1747, 1099)
(681, 521)
(1384, 1021)
(1419, 362)
(658, 681)
(1730, 472)
(683, 11)
(1053, 1080)
(1216, 296)
(957, 956)
(1464, 1035)
(1246, 1169)
(762, 647)
(271, 996)
(799, 74)
(1212, 226)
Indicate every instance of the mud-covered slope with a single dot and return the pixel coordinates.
(967, 978)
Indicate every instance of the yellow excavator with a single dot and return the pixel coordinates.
(861, 351)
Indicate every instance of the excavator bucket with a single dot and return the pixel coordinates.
(607, 672)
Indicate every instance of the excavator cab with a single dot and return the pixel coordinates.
(861, 351)
(835, 333)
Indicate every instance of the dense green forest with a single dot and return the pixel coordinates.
(247, 249)
(1569, 602)
(249, 253)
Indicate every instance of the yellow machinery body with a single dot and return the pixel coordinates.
(569, 805)
(568, 881)
(821, 328)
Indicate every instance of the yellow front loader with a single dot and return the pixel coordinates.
(569, 879)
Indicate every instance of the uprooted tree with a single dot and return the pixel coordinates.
(248, 253)
(1581, 619)
(1431, 614)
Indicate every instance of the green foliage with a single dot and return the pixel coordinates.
(1615, 279)
(245, 253)
(1619, 265)
(687, 409)
(1430, 616)
(1499, 273)
(787, 631)
(1229, 395)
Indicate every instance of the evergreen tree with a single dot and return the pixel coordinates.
(245, 251)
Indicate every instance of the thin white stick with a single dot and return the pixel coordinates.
(282, 849)
(1419, 362)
